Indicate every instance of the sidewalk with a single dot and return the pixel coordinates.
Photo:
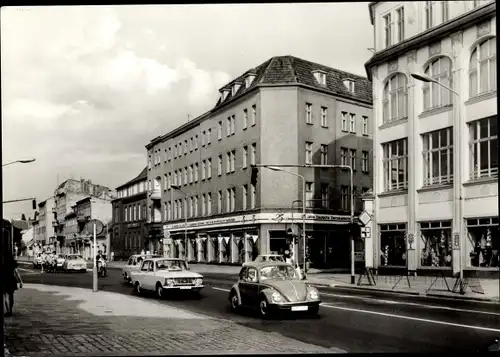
(84, 323)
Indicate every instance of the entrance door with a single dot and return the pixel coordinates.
(337, 250)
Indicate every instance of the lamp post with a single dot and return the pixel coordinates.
(24, 161)
(457, 140)
(175, 187)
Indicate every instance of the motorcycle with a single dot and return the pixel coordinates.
(101, 268)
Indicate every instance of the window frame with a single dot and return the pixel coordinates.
(324, 117)
(490, 61)
(475, 141)
(444, 96)
(428, 152)
(308, 152)
(387, 163)
(398, 94)
(309, 119)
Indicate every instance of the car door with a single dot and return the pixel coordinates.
(140, 275)
(250, 287)
(149, 276)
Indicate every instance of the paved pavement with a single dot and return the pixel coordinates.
(53, 320)
(352, 320)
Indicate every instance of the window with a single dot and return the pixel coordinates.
(308, 113)
(169, 154)
(209, 136)
(245, 157)
(245, 119)
(196, 168)
(169, 211)
(203, 134)
(174, 178)
(324, 117)
(203, 173)
(253, 193)
(483, 243)
(219, 130)
(483, 148)
(203, 204)
(228, 126)
(209, 204)
(185, 170)
(308, 157)
(429, 14)
(180, 148)
(195, 206)
(149, 162)
(364, 161)
(209, 168)
(233, 160)
(190, 174)
(166, 155)
(320, 77)
(228, 200)
(254, 114)
(228, 162)
(365, 125)
(324, 154)
(349, 84)
(395, 98)
(219, 165)
(352, 123)
(343, 156)
(196, 142)
(352, 157)
(436, 244)
(191, 207)
(324, 196)
(185, 147)
(191, 145)
(344, 198)
(434, 94)
(482, 68)
(309, 194)
(401, 23)
(233, 124)
(245, 196)
(165, 182)
(395, 164)
(438, 157)
(445, 11)
(219, 202)
(232, 191)
(175, 151)
(253, 154)
(393, 244)
(387, 29)
(343, 120)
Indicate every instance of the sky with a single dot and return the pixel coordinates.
(85, 88)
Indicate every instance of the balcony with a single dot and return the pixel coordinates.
(155, 194)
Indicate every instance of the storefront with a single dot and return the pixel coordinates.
(435, 243)
(393, 245)
(483, 243)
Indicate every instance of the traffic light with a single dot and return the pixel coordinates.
(255, 175)
(33, 203)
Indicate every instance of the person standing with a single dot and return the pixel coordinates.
(112, 256)
(11, 278)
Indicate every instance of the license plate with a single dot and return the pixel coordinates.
(299, 308)
(185, 287)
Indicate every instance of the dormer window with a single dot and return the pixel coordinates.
(320, 77)
(249, 79)
(223, 94)
(234, 89)
(349, 84)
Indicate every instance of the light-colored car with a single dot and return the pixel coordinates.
(271, 287)
(165, 275)
(134, 264)
(74, 262)
(37, 261)
(262, 258)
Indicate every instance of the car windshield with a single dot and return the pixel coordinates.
(278, 272)
(74, 257)
(166, 264)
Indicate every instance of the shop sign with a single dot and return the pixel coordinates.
(133, 225)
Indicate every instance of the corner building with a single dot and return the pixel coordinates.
(285, 111)
(436, 152)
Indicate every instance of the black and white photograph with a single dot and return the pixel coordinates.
(250, 178)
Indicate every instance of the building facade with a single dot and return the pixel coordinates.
(285, 111)
(65, 197)
(129, 234)
(435, 151)
(43, 229)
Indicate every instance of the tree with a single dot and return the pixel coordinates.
(23, 217)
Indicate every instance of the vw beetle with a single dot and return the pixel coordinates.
(273, 287)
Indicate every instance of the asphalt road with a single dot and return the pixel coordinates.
(353, 321)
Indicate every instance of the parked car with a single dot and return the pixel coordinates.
(268, 258)
(74, 262)
(272, 287)
(134, 263)
(165, 275)
(60, 260)
(37, 261)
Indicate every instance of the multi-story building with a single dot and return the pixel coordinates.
(78, 234)
(42, 225)
(129, 234)
(435, 149)
(65, 197)
(285, 111)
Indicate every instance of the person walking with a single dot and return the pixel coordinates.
(11, 278)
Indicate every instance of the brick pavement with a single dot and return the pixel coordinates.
(56, 321)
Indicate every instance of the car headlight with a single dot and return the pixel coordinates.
(276, 297)
(313, 294)
(198, 281)
(169, 282)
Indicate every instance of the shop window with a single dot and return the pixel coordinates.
(393, 244)
(436, 244)
(483, 242)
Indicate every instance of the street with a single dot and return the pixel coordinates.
(355, 322)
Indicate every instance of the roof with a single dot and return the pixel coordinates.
(370, 8)
(143, 175)
(259, 265)
(147, 256)
(155, 258)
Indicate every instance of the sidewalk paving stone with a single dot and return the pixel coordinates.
(55, 321)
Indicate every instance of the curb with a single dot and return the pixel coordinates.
(389, 291)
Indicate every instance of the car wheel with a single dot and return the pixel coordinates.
(137, 288)
(233, 300)
(263, 308)
(159, 291)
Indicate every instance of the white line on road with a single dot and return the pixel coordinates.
(213, 287)
(411, 304)
(411, 318)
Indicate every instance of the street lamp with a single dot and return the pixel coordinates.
(25, 161)
(457, 139)
(175, 187)
(274, 168)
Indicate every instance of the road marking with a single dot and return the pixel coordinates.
(29, 271)
(226, 290)
(412, 304)
(411, 318)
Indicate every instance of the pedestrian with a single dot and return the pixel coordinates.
(11, 278)
(112, 256)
